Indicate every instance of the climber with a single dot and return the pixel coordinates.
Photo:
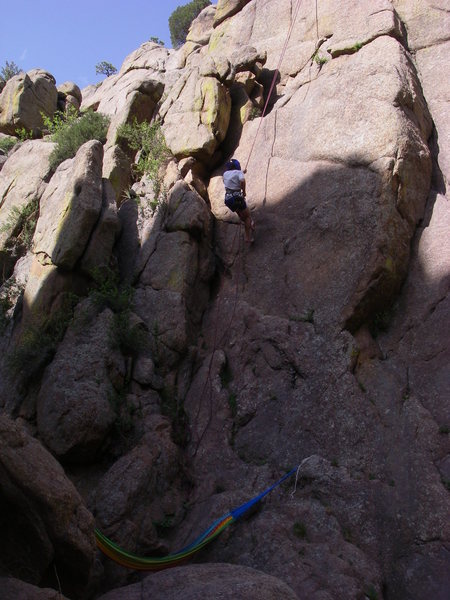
(234, 182)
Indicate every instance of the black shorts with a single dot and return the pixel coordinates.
(235, 201)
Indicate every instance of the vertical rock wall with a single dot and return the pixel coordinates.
(210, 368)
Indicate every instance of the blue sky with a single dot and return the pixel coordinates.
(68, 38)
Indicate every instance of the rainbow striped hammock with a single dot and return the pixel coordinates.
(132, 561)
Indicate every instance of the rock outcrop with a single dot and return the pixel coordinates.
(14, 588)
(45, 524)
(69, 95)
(230, 582)
(70, 208)
(76, 229)
(174, 268)
(24, 98)
(75, 406)
(23, 181)
(195, 370)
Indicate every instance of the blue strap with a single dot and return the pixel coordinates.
(240, 510)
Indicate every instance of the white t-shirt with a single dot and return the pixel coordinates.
(232, 180)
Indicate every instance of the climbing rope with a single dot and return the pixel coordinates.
(133, 561)
(274, 79)
(217, 344)
(208, 379)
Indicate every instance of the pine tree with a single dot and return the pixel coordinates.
(9, 70)
(105, 68)
(181, 18)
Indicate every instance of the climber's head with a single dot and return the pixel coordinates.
(233, 165)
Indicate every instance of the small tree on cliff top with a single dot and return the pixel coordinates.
(9, 70)
(181, 18)
(105, 68)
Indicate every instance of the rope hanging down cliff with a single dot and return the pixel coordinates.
(274, 79)
(132, 561)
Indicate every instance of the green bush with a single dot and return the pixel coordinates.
(38, 343)
(181, 18)
(7, 143)
(5, 305)
(156, 40)
(299, 529)
(21, 224)
(148, 139)
(71, 132)
(107, 292)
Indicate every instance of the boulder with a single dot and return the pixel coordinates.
(427, 23)
(70, 208)
(131, 94)
(246, 57)
(197, 117)
(174, 267)
(69, 96)
(224, 581)
(149, 56)
(117, 168)
(45, 292)
(24, 98)
(69, 88)
(228, 8)
(128, 245)
(23, 180)
(137, 501)
(216, 66)
(15, 589)
(75, 406)
(164, 314)
(173, 264)
(44, 520)
(431, 62)
(201, 27)
(187, 211)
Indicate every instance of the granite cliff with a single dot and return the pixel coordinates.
(156, 372)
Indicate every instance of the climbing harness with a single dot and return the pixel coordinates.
(234, 200)
(133, 561)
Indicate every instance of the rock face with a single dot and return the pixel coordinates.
(23, 181)
(69, 95)
(138, 86)
(138, 499)
(229, 582)
(197, 116)
(318, 163)
(74, 418)
(25, 96)
(70, 207)
(44, 520)
(199, 370)
(77, 227)
(174, 269)
(228, 8)
(14, 589)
